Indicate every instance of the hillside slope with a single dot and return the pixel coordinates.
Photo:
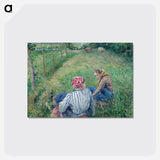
(83, 64)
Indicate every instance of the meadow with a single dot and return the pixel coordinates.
(81, 63)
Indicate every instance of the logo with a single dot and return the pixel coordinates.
(8, 8)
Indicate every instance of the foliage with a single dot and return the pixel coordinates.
(70, 46)
(31, 46)
(120, 48)
(124, 49)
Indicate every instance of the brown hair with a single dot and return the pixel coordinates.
(98, 70)
(101, 72)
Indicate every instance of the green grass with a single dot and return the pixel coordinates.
(83, 64)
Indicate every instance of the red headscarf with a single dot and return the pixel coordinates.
(77, 82)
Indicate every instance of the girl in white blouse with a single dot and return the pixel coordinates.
(76, 103)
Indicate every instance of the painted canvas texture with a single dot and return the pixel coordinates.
(80, 80)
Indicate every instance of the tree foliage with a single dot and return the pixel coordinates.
(119, 48)
(31, 46)
(70, 45)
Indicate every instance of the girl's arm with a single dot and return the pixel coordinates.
(100, 87)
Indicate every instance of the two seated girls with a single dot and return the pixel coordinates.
(81, 102)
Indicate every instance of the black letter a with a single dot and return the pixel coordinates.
(8, 8)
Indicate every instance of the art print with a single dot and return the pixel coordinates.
(80, 80)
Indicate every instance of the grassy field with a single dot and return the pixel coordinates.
(82, 64)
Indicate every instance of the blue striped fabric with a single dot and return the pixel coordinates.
(79, 101)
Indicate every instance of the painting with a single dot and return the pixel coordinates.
(80, 80)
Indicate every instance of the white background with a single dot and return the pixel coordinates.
(105, 137)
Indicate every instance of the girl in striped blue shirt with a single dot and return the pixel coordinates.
(76, 103)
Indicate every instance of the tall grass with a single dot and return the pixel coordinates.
(83, 64)
(40, 80)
